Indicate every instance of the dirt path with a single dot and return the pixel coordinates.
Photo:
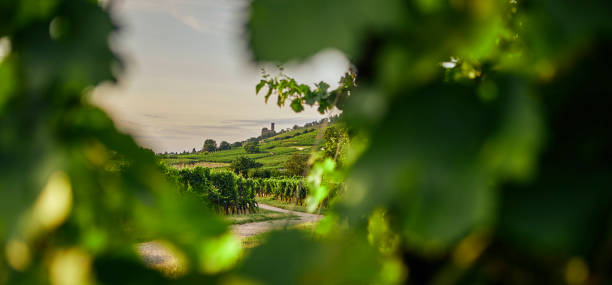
(251, 229)
(159, 256)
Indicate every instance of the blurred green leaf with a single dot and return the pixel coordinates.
(347, 261)
(302, 28)
(436, 162)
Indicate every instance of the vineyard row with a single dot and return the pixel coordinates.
(228, 193)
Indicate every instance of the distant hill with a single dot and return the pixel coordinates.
(274, 150)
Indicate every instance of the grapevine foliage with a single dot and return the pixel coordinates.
(482, 125)
(228, 193)
(76, 194)
(223, 191)
(492, 168)
(286, 88)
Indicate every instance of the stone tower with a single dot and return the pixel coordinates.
(272, 129)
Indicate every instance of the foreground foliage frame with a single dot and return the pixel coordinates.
(483, 129)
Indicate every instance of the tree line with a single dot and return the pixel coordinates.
(251, 145)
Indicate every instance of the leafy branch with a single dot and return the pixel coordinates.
(288, 88)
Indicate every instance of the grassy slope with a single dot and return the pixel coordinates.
(260, 216)
(287, 206)
(274, 150)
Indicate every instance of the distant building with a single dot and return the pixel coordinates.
(265, 132)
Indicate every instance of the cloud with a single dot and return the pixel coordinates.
(266, 122)
(155, 116)
(206, 17)
(191, 22)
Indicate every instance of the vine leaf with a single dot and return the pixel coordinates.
(260, 85)
(297, 106)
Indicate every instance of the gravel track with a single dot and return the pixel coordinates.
(157, 255)
(251, 229)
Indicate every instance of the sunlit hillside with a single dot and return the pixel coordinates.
(274, 151)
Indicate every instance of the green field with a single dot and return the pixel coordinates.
(274, 151)
(288, 205)
(260, 216)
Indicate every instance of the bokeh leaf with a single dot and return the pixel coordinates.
(293, 32)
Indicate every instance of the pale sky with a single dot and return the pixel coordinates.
(189, 75)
